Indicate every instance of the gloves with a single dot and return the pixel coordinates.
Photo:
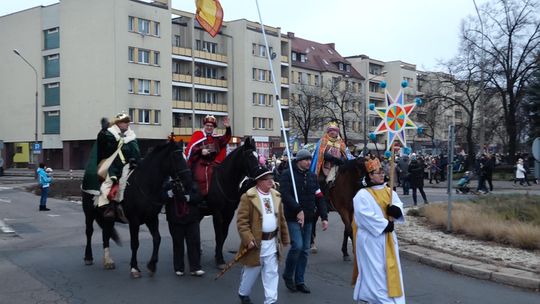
(114, 191)
(114, 179)
(394, 211)
(389, 227)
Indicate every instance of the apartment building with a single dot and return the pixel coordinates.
(140, 57)
(318, 69)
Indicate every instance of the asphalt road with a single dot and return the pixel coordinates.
(43, 264)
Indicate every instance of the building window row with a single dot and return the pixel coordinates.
(206, 96)
(144, 87)
(262, 75)
(143, 56)
(206, 46)
(144, 26)
(306, 78)
(145, 116)
(298, 57)
(262, 123)
(260, 49)
(260, 99)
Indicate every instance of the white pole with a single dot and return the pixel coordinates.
(278, 101)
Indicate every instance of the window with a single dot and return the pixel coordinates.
(293, 56)
(131, 23)
(262, 99)
(262, 51)
(209, 72)
(132, 113)
(130, 85)
(262, 123)
(374, 87)
(303, 58)
(144, 116)
(458, 115)
(51, 38)
(157, 88)
(52, 66)
(347, 68)
(157, 114)
(316, 82)
(144, 86)
(131, 54)
(156, 29)
(144, 56)
(156, 58)
(52, 122)
(253, 48)
(52, 94)
(206, 46)
(262, 75)
(177, 40)
(299, 79)
(340, 66)
(270, 123)
(144, 26)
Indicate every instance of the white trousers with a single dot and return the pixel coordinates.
(107, 185)
(269, 276)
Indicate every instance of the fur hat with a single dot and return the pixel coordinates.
(303, 154)
(373, 165)
(262, 172)
(332, 126)
(210, 119)
(121, 117)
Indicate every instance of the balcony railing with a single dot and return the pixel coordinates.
(181, 51)
(285, 80)
(211, 82)
(285, 102)
(181, 77)
(284, 58)
(211, 107)
(182, 130)
(181, 104)
(210, 56)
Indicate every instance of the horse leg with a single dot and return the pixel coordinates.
(153, 226)
(346, 218)
(107, 228)
(134, 235)
(220, 239)
(89, 216)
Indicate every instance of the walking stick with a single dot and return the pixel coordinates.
(231, 263)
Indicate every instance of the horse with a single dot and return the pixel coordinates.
(90, 189)
(143, 196)
(225, 191)
(341, 194)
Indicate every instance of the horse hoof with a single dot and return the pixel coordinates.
(135, 274)
(221, 266)
(346, 258)
(88, 262)
(109, 266)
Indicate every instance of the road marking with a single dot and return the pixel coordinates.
(5, 228)
(5, 200)
(53, 215)
(5, 188)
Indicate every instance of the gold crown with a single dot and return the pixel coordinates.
(210, 119)
(332, 126)
(373, 165)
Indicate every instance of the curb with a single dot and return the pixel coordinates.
(469, 267)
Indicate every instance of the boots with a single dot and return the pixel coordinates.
(44, 208)
(114, 211)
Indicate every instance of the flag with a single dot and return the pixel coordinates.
(209, 15)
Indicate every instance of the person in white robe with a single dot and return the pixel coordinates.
(376, 208)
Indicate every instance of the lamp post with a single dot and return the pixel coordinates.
(482, 136)
(36, 101)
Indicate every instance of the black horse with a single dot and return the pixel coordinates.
(226, 188)
(90, 189)
(143, 195)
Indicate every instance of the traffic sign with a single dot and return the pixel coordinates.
(536, 148)
(36, 148)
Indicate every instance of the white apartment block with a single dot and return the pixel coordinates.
(139, 57)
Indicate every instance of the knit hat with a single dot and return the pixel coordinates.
(303, 154)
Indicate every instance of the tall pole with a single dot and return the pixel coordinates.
(32, 158)
(451, 129)
(482, 134)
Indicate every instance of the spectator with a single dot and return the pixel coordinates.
(416, 176)
(44, 183)
(520, 172)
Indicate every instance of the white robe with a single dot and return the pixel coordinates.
(370, 249)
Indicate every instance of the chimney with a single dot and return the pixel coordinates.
(290, 35)
(332, 45)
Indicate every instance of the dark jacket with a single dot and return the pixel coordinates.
(416, 174)
(107, 144)
(310, 197)
(179, 209)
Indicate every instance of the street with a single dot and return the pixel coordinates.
(43, 263)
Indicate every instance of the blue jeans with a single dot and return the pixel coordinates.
(296, 262)
(43, 199)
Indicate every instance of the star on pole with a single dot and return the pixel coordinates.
(395, 119)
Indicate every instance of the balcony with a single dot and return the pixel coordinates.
(181, 104)
(284, 59)
(182, 131)
(284, 102)
(211, 107)
(378, 95)
(285, 80)
(181, 78)
(210, 56)
(181, 51)
(211, 82)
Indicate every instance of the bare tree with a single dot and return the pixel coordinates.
(306, 109)
(506, 35)
(340, 102)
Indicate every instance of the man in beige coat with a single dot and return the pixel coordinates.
(263, 231)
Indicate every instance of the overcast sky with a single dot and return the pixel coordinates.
(415, 31)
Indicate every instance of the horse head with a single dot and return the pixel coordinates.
(249, 157)
(177, 168)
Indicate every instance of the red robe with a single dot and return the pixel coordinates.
(202, 165)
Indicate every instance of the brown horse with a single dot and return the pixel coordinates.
(341, 194)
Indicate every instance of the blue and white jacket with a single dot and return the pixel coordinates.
(44, 178)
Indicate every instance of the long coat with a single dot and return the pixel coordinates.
(416, 171)
(249, 223)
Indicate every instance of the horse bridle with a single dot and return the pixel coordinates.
(220, 188)
(176, 177)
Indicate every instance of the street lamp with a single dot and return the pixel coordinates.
(36, 105)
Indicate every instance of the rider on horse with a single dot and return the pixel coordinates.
(117, 153)
(206, 150)
(330, 152)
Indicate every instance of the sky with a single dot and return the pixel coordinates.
(420, 32)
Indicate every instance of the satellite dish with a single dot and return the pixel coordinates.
(536, 149)
(273, 55)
